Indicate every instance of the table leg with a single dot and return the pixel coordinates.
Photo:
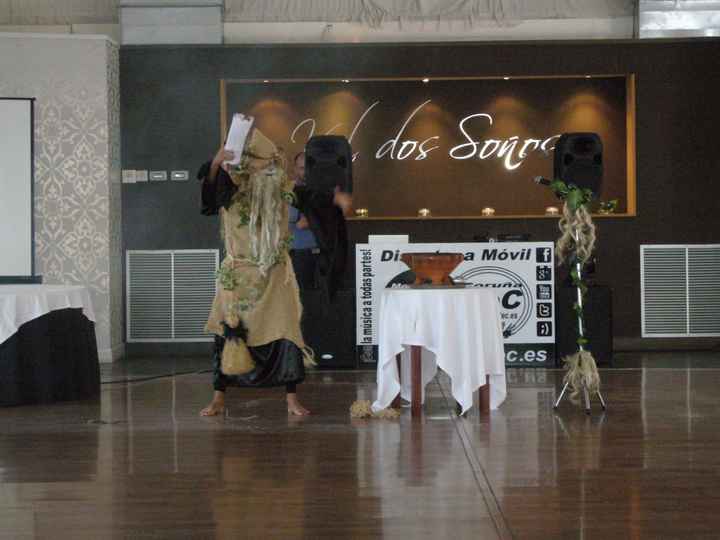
(396, 403)
(484, 397)
(416, 370)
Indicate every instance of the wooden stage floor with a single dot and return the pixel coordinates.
(141, 463)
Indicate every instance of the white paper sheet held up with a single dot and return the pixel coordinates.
(239, 129)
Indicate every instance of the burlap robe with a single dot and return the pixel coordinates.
(268, 305)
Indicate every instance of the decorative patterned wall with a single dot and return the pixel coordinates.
(75, 81)
(115, 195)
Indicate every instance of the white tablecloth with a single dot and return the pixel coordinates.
(22, 303)
(462, 330)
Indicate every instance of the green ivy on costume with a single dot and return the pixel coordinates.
(289, 197)
(226, 277)
(242, 209)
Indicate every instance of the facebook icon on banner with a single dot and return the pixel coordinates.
(543, 255)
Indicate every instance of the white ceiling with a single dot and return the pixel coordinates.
(373, 12)
(284, 21)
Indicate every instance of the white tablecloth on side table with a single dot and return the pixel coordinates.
(22, 303)
(460, 327)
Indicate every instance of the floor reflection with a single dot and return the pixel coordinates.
(140, 461)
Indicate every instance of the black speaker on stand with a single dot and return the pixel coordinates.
(578, 160)
(328, 163)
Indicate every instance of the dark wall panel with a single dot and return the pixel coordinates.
(170, 120)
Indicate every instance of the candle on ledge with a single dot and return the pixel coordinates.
(424, 212)
(552, 211)
(488, 211)
(361, 212)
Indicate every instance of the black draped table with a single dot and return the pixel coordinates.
(48, 350)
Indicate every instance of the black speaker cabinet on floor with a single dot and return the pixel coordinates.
(330, 331)
(598, 322)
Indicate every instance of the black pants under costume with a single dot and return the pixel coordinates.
(276, 364)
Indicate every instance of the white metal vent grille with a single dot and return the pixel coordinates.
(664, 290)
(680, 290)
(194, 285)
(704, 290)
(149, 296)
(169, 294)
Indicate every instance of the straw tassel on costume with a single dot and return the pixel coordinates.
(309, 357)
(236, 357)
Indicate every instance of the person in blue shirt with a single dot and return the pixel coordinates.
(320, 246)
(305, 251)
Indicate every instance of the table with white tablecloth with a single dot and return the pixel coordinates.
(460, 331)
(23, 303)
(48, 350)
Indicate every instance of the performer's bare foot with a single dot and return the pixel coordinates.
(217, 405)
(294, 406)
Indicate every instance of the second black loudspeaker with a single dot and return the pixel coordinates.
(328, 163)
(579, 160)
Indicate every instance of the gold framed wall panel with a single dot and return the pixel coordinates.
(629, 190)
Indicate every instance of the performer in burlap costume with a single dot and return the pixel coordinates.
(256, 312)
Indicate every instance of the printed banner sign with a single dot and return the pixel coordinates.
(521, 273)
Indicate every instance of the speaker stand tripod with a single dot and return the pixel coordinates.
(581, 334)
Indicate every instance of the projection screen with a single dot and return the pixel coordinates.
(16, 189)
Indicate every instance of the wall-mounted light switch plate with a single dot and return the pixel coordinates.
(179, 176)
(158, 176)
(128, 176)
